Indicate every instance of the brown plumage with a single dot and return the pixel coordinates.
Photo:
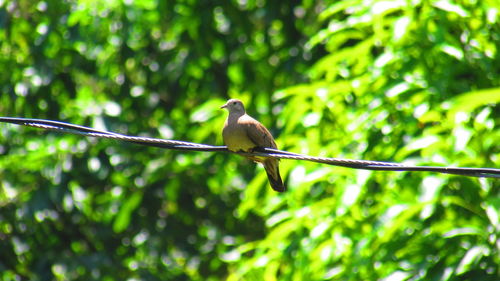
(243, 133)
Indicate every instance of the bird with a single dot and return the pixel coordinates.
(243, 133)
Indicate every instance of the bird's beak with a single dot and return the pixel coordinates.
(224, 106)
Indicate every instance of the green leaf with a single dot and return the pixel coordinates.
(123, 217)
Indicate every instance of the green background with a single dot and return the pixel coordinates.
(405, 81)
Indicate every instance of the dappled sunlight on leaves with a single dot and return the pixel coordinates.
(414, 82)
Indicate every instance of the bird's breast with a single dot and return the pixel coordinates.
(236, 138)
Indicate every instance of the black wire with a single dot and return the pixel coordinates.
(264, 152)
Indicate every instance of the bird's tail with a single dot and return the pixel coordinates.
(273, 174)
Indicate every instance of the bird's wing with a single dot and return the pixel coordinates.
(257, 133)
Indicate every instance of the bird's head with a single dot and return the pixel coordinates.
(234, 105)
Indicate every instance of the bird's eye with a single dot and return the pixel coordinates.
(234, 102)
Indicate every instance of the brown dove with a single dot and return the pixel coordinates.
(243, 133)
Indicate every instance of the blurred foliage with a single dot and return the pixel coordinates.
(406, 81)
